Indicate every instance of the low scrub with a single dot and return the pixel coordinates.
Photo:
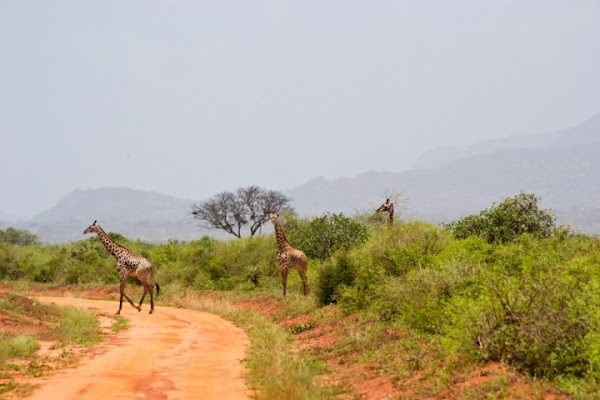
(507, 220)
(519, 290)
(17, 346)
(80, 326)
(273, 369)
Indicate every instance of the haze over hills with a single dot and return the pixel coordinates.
(585, 132)
(566, 179)
(8, 217)
(137, 214)
(563, 168)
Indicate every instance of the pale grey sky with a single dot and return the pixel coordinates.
(189, 98)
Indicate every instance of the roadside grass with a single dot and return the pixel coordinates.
(19, 346)
(28, 321)
(279, 365)
(79, 326)
(274, 371)
(120, 324)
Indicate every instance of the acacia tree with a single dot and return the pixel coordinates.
(231, 211)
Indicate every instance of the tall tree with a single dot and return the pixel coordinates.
(231, 211)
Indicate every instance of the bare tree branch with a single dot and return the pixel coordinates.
(232, 211)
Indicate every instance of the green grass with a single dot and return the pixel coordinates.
(533, 303)
(272, 368)
(120, 324)
(79, 326)
(7, 304)
(8, 386)
(20, 346)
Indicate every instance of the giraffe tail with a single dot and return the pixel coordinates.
(157, 288)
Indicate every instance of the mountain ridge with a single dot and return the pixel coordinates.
(585, 132)
(561, 167)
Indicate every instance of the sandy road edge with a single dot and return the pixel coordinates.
(195, 354)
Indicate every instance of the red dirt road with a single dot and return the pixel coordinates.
(172, 354)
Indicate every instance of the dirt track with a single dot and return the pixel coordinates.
(172, 354)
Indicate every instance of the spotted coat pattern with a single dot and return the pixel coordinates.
(128, 264)
(289, 257)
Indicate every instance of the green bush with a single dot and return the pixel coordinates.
(244, 261)
(531, 310)
(210, 264)
(419, 299)
(333, 276)
(503, 222)
(322, 236)
(406, 246)
(18, 237)
(9, 267)
(496, 291)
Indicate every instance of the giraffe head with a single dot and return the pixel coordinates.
(272, 216)
(93, 228)
(386, 207)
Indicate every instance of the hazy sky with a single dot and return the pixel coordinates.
(190, 98)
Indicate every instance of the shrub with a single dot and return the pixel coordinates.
(322, 236)
(503, 222)
(9, 267)
(244, 261)
(406, 246)
(531, 311)
(333, 275)
(18, 237)
(419, 299)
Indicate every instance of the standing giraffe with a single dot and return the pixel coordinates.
(127, 265)
(389, 208)
(288, 257)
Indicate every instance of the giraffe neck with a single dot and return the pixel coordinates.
(282, 243)
(113, 248)
(391, 217)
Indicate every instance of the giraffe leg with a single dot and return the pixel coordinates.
(145, 279)
(284, 274)
(302, 273)
(121, 291)
(144, 295)
(123, 281)
(151, 289)
(120, 304)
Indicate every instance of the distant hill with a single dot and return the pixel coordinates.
(585, 132)
(115, 204)
(563, 168)
(136, 214)
(566, 178)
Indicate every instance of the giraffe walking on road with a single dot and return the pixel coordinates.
(289, 257)
(127, 265)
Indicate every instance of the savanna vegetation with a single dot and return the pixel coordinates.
(506, 286)
(25, 323)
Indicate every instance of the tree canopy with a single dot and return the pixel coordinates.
(18, 237)
(232, 211)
